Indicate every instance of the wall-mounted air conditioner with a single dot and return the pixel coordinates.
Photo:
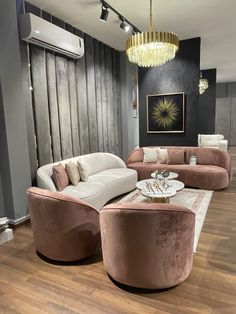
(37, 31)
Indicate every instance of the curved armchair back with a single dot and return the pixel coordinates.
(64, 228)
(213, 140)
(147, 245)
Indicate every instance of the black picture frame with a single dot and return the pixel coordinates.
(166, 113)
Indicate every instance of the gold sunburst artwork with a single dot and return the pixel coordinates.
(165, 113)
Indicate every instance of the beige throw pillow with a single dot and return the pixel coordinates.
(162, 155)
(72, 172)
(150, 154)
(82, 172)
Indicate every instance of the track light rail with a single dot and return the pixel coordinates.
(121, 17)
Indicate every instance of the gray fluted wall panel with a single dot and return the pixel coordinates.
(75, 104)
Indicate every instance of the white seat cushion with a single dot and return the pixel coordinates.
(103, 186)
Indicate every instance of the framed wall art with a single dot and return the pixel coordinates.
(165, 113)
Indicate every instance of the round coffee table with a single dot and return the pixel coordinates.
(172, 175)
(158, 196)
(174, 184)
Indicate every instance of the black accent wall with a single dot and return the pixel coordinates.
(178, 75)
(207, 104)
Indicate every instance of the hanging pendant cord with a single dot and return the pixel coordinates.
(150, 16)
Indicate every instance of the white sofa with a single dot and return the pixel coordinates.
(213, 141)
(108, 177)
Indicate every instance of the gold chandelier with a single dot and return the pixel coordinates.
(203, 84)
(149, 49)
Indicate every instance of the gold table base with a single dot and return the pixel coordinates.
(159, 200)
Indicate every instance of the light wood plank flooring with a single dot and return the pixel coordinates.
(30, 285)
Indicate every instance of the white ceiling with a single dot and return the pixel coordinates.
(212, 20)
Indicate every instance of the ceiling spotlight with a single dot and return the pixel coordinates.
(125, 26)
(104, 14)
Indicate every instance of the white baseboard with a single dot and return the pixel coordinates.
(19, 220)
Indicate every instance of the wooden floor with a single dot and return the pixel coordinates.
(30, 285)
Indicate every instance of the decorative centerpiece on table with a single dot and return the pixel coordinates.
(158, 186)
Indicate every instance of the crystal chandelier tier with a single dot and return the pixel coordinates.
(203, 84)
(149, 49)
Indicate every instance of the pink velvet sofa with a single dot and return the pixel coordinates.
(212, 171)
(147, 246)
(64, 228)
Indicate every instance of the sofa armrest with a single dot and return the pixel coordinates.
(223, 145)
(44, 181)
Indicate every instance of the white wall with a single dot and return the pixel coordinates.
(14, 159)
(130, 124)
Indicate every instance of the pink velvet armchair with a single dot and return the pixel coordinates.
(64, 228)
(147, 245)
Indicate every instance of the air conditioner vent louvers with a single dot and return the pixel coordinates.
(41, 43)
(42, 33)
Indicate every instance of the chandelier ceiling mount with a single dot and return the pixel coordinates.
(149, 49)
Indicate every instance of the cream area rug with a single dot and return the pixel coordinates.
(197, 200)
